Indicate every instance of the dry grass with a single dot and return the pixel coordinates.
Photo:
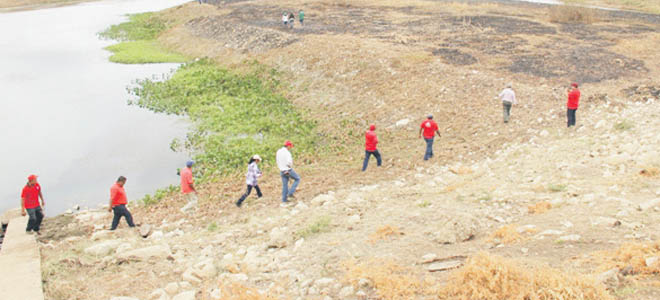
(389, 279)
(237, 291)
(506, 234)
(573, 14)
(385, 233)
(539, 207)
(630, 255)
(490, 277)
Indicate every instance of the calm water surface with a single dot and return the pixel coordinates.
(64, 115)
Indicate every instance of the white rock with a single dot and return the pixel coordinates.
(354, 200)
(354, 219)
(207, 251)
(159, 294)
(524, 250)
(190, 276)
(320, 199)
(364, 283)
(185, 285)
(567, 224)
(301, 206)
(402, 122)
(445, 265)
(157, 235)
(160, 251)
(187, 295)
(279, 238)
(215, 294)
(550, 232)
(172, 288)
(298, 244)
(102, 235)
(123, 298)
(569, 238)
(610, 277)
(205, 268)
(145, 230)
(124, 247)
(324, 282)
(346, 292)
(544, 133)
(526, 228)
(651, 261)
(103, 248)
(427, 258)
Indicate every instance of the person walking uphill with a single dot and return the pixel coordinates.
(370, 147)
(428, 129)
(285, 164)
(251, 179)
(508, 97)
(572, 103)
(118, 203)
(188, 188)
(30, 203)
(301, 17)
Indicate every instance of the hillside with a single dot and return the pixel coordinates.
(528, 195)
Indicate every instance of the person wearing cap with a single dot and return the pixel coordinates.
(253, 173)
(428, 129)
(118, 203)
(285, 164)
(371, 141)
(572, 103)
(30, 204)
(188, 187)
(508, 97)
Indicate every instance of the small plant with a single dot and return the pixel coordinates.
(623, 125)
(158, 195)
(385, 232)
(485, 197)
(321, 225)
(212, 227)
(424, 203)
(556, 188)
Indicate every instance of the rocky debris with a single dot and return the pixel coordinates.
(279, 237)
(158, 251)
(323, 198)
(145, 230)
(354, 219)
(90, 216)
(123, 298)
(215, 294)
(605, 221)
(346, 292)
(103, 248)
(102, 235)
(187, 295)
(159, 294)
(610, 277)
(443, 266)
(651, 261)
(428, 258)
(402, 123)
(648, 204)
(324, 282)
(550, 232)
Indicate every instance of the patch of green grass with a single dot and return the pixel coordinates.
(142, 52)
(144, 26)
(139, 43)
(556, 188)
(485, 197)
(424, 203)
(320, 225)
(623, 125)
(159, 195)
(212, 227)
(235, 115)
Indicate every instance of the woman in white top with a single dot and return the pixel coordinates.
(251, 179)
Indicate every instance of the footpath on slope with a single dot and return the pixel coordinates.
(20, 264)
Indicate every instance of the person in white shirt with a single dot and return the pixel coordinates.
(285, 164)
(508, 97)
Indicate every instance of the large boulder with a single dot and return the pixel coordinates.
(456, 229)
(279, 237)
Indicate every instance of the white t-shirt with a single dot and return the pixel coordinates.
(508, 95)
(284, 159)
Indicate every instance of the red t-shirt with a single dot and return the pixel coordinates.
(186, 180)
(371, 141)
(429, 128)
(30, 195)
(118, 195)
(573, 99)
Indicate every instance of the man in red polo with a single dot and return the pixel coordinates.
(429, 128)
(188, 188)
(572, 103)
(370, 144)
(30, 203)
(118, 203)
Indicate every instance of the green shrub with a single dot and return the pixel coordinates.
(159, 195)
(321, 224)
(623, 125)
(144, 26)
(235, 116)
(555, 188)
(212, 227)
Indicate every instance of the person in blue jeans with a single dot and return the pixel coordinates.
(285, 164)
(428, 130)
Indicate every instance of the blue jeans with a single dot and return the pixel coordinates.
(121, 211)
(285, 183)
(570, 113)
(36, 215)
(429, 148)
(368, 154)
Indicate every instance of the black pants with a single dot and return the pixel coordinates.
(121, 211)
(570, 114)
(367, 155)
(36, 215)
(249, 189)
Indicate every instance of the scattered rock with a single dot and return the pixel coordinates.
(458, 228)
(648, 204)
(346, 292)
(550, 232)
(160, 251)
(354, 219)
(172, 288)
(145, 230)
(157, 235)
(428, 258)
(324, 282)
(102, 235)
(402, 122)
(526, 228)
(364, 283)
(205, 268)
(651, 261)
(569, 238)
(610, 277)
(445, 265)
(159, 294)
(567, 224)
(215, 294)
(279, 237)
(320, 199)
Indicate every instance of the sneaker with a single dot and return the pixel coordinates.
(291, 196)
(238, 204)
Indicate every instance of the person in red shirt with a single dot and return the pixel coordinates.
(572, 103)
(188, 188)
(371, 141)
(30, 203)
(428, 129)
(118, 203)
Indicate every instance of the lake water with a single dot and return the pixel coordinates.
(64, 114)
